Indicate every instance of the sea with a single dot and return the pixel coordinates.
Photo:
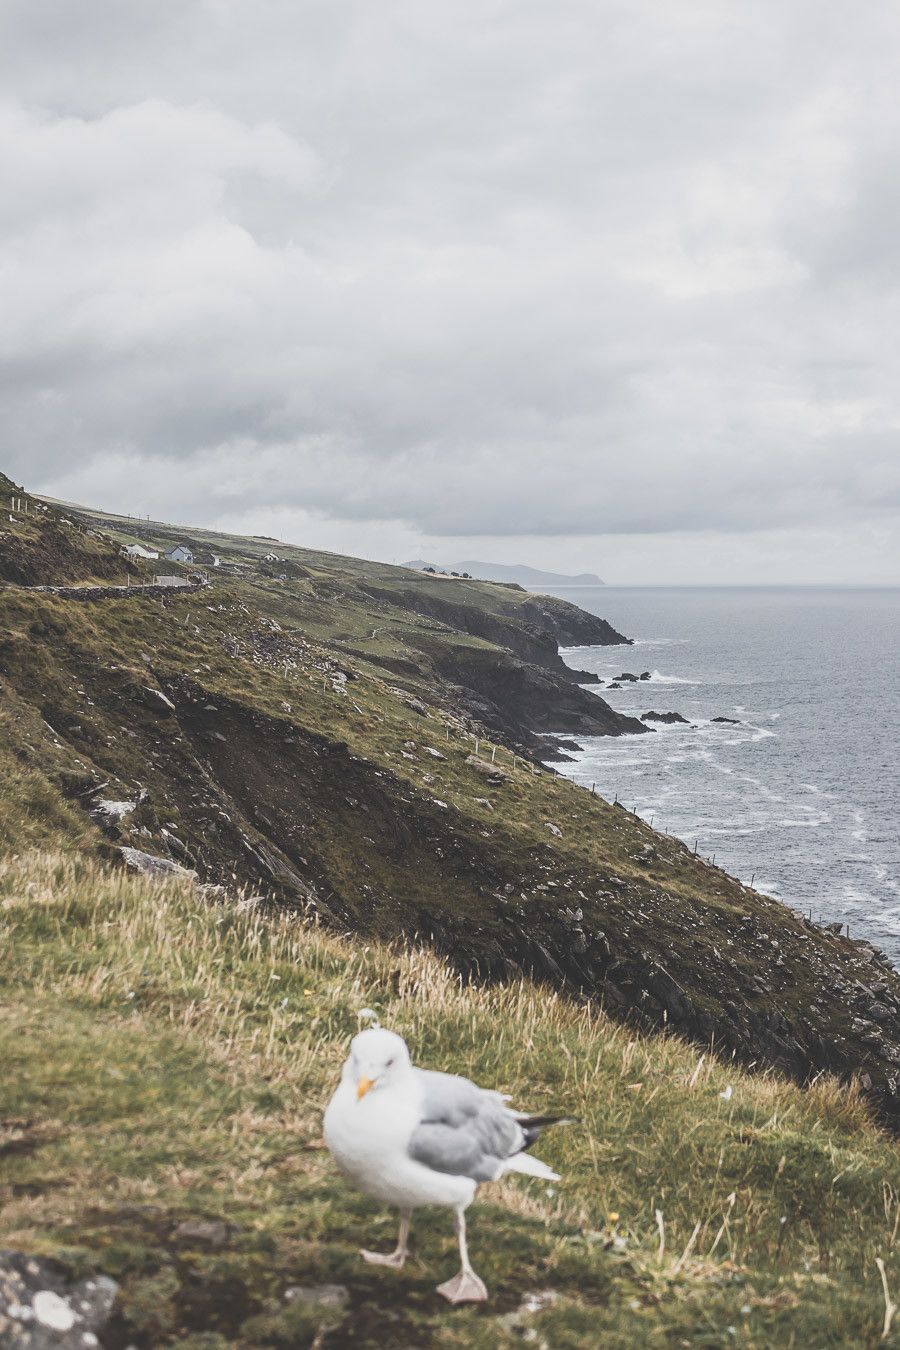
(800, 795)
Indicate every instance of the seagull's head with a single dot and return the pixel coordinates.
(378, 1057)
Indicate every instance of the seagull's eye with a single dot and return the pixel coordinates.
(389, 1063)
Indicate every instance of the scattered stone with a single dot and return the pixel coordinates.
(319, 1295)
(212, 1232)
(483, 801)
(158, 701)
(435, 754)
(108, 813)
(554, 829)
(493, 775)
(151, 866)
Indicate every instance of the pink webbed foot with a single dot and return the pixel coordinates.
(465, 1287)
(395, 1260)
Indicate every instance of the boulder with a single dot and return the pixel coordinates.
(490, 771)
(108, 813)
(663, 717)
(41, 1307)
(732, 720)
(157, 701)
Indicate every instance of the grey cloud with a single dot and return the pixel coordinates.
(493, 270)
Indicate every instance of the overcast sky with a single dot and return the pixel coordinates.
(604, 285)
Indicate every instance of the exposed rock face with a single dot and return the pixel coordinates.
(663, 717)
(507, 695)
(41, 1309)
(533, 630)
(571, 626)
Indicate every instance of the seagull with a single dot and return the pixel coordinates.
(412, 1137)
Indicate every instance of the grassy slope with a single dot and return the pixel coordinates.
(169, 1059)
(339, 790)
(390, 839)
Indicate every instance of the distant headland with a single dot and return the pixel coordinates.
(532, 578)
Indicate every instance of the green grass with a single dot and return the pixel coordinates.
(166, 1058)
(404, 841)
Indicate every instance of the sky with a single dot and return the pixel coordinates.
(595, 285)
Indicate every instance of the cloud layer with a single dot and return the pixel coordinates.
(494, 270)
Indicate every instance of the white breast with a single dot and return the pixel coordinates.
(369, 1140)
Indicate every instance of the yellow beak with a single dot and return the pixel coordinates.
(363, 1086)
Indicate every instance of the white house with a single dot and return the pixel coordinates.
(138, 551)
(180, 553)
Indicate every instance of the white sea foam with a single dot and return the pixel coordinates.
(660, 642)
(657, 677)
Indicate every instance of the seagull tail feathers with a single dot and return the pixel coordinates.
(532, 1167)
(532, 1127)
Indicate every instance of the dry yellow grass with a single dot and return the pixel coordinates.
(169, 1057)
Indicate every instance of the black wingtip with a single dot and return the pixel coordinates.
(534, 1126)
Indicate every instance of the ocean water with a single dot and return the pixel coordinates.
(802, 798)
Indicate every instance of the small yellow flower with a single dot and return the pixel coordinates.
(613, 1216)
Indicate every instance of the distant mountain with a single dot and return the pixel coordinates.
(532, 578)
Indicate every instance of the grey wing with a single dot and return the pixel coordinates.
(465, 1130)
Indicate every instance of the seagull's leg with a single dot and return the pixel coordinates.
(465, 1287)
(396, 1258)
